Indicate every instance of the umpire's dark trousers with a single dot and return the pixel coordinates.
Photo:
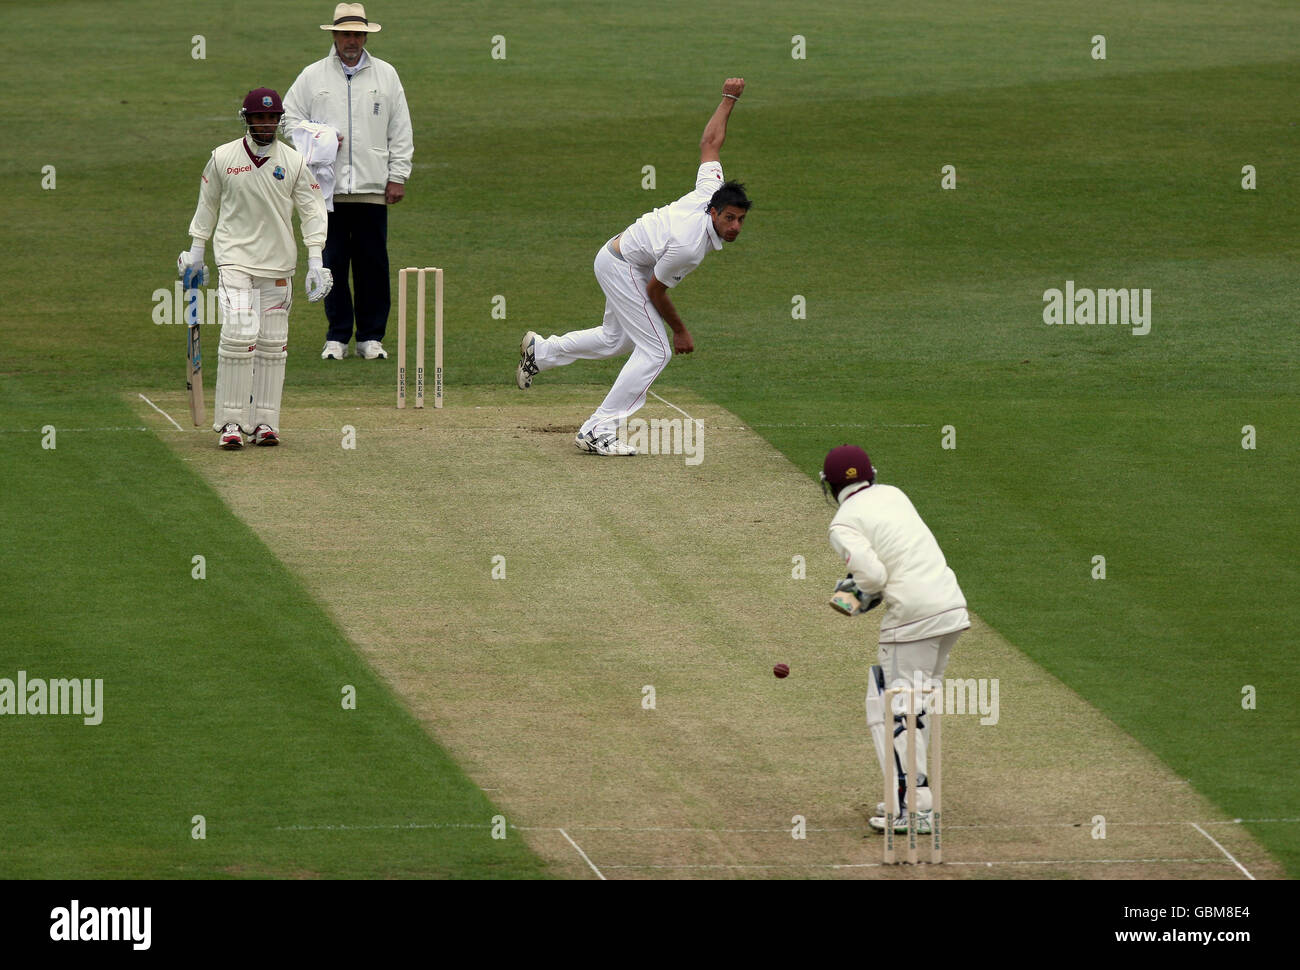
(357, 241)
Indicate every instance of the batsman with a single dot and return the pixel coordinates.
(892, 557)
(247, 196)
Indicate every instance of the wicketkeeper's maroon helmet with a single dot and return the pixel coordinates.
(844, 466)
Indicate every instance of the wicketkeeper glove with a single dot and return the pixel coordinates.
(319, 280)
(848, 587)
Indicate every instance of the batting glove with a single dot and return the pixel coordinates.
(866, 601)
(190, 267)
(319, 280)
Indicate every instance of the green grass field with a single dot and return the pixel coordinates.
(924, 309)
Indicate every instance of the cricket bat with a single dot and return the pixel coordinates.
(193, 349)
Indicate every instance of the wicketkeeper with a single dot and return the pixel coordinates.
(892, 557)
(249, 190)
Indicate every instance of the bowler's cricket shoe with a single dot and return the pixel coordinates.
(527, 368)
(265, 436)
(334, 350)
(606, 444)
(372, 350)
(232, 439)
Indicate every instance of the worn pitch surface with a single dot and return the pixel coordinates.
(626, 581)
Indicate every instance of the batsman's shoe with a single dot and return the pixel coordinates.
(527, 368)
(924, 799)
(877, 823)
(232, 439)
(372, 350)
(334, 350)
(605, 444)
(264, 435)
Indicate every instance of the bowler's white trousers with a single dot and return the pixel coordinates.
(631, 323)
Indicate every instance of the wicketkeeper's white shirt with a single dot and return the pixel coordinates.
(675, 239)
(888, 549)
(246, 208)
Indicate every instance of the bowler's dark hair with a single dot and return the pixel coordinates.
(731, 193)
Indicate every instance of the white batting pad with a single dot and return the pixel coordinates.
(876, 723)
(900, 745)
(268, 367)
(233, 400)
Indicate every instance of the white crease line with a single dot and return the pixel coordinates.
(1238, 821)
(859, 425)
(878, 865)
(584, 855)
(672, 405)
(1223, 850)
(1014, 825)
(161, 411)
(511, 429)
(1080, 862)
(374, 828)
(68, 430)
(785, 831)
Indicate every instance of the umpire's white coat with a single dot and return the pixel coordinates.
(888, 549)
(368, 109)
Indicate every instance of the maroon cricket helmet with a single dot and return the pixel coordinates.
(844, 466)
(262, 101)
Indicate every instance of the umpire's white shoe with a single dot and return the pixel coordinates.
(232, 439)
(605, 444)
(527, 368)
(334, 350)
(371, 350)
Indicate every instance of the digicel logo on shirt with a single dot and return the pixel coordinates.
(241, 168)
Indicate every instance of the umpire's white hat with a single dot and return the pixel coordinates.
(351, 16)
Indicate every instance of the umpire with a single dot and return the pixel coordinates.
(362, 98)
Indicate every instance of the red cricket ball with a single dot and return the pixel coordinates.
(781, 670)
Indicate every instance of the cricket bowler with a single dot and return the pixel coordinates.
(636, 269)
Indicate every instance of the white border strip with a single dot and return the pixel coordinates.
(161, 411)
(1223, 850)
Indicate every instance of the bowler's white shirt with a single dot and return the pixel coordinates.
(675, 239)
(889, 550)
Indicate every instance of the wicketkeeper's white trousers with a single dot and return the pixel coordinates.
(631, 323)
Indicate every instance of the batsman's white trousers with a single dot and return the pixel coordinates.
(252, 351)
(631, 323)
(923, 660)
(926, 659)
